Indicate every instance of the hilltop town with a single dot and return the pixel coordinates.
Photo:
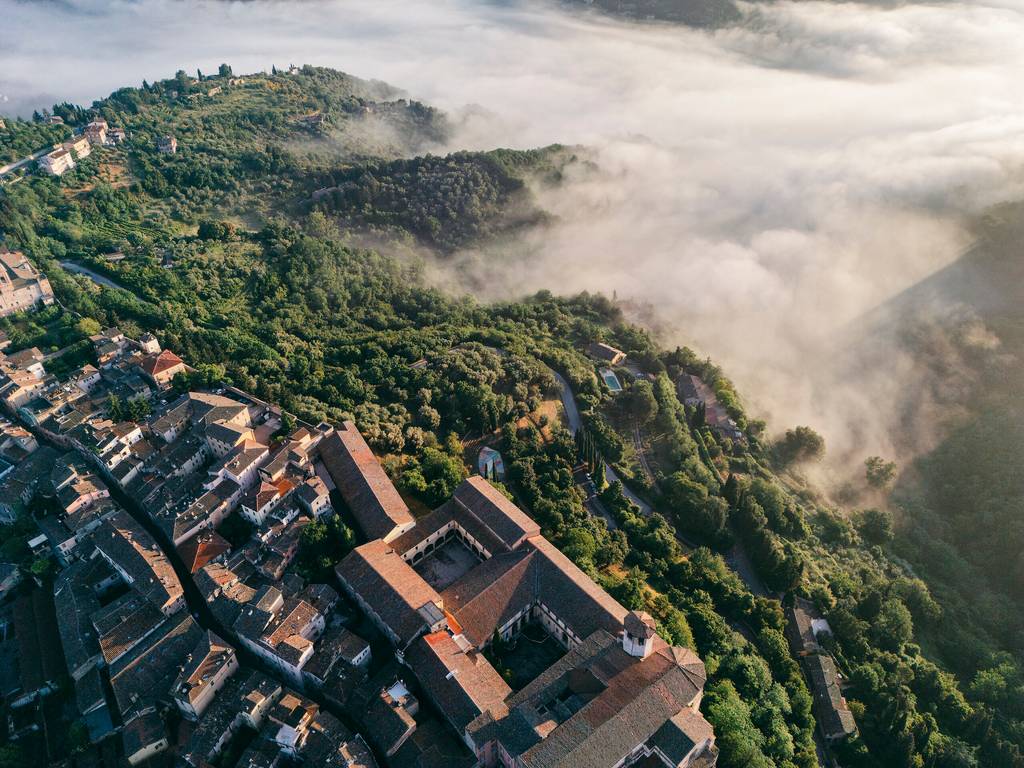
(269, 497)
(180, 641)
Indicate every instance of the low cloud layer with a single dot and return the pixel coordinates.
(761, 187)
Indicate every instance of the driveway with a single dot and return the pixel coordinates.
(638, 444)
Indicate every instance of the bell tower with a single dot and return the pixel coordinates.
(639, 631)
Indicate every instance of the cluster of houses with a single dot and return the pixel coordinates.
(132, 651)
(274, 669)
(78, 147)
(21, 286)
(97, 133)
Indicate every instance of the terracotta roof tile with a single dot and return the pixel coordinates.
(461, 683)
(159, 362)
(362, 482)
(390, 586)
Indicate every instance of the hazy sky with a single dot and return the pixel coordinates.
(763, 186)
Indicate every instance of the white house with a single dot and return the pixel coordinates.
(57, 163)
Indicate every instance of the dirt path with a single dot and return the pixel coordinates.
(638, 443)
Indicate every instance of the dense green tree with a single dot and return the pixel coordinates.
(875, 525)
(879, 472)
(639, 402)
(800, 445)
(739, 740)
(322, 544)
(893, 627)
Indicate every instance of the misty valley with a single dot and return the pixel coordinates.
(520, 384)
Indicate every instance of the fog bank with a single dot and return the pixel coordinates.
(761, 187)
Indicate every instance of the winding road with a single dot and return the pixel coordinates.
(572, 414)
(736, 558)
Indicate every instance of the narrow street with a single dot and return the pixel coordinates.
(572, 413)
(201, 611)
(738, 560)
(593, 502)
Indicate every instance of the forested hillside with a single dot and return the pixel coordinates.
(221, 250)
(961, 506)
(446, 202)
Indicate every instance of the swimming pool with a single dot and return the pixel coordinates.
(611, 379)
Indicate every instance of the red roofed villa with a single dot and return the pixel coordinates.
(162, 367)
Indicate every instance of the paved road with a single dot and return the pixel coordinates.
(737, 559)
(572, 413)
(645, 509)
(97, 278)
(11, 167)
(593, 502)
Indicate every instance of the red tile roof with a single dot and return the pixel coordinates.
(490, 506)
(202, 549)
(362, 482)
(461, 683)
(387, 583)
(267, 493)
(159, 362)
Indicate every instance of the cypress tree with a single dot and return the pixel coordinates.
(731, 489)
